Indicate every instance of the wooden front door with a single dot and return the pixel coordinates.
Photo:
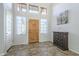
(33, 30)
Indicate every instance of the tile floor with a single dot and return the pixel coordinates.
(38, 49)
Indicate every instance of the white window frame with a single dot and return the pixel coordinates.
(33, 11)
(43, 13)
(21, 28)
(44, 25)
(20, 6)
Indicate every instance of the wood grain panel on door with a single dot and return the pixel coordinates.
(33, 30)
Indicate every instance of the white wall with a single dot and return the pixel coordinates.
(8, 36)
(4, 41)
(73, 25)
(1, 29)
(23, 39)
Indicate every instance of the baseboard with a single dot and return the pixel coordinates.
(74, 51)
(43, 40)
(19, 44)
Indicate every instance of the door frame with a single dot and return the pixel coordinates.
(38, 30)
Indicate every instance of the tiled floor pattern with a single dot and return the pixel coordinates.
(38, 49)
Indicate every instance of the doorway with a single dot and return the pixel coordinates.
(33, 31)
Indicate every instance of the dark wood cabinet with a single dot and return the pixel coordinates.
(60, 39)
